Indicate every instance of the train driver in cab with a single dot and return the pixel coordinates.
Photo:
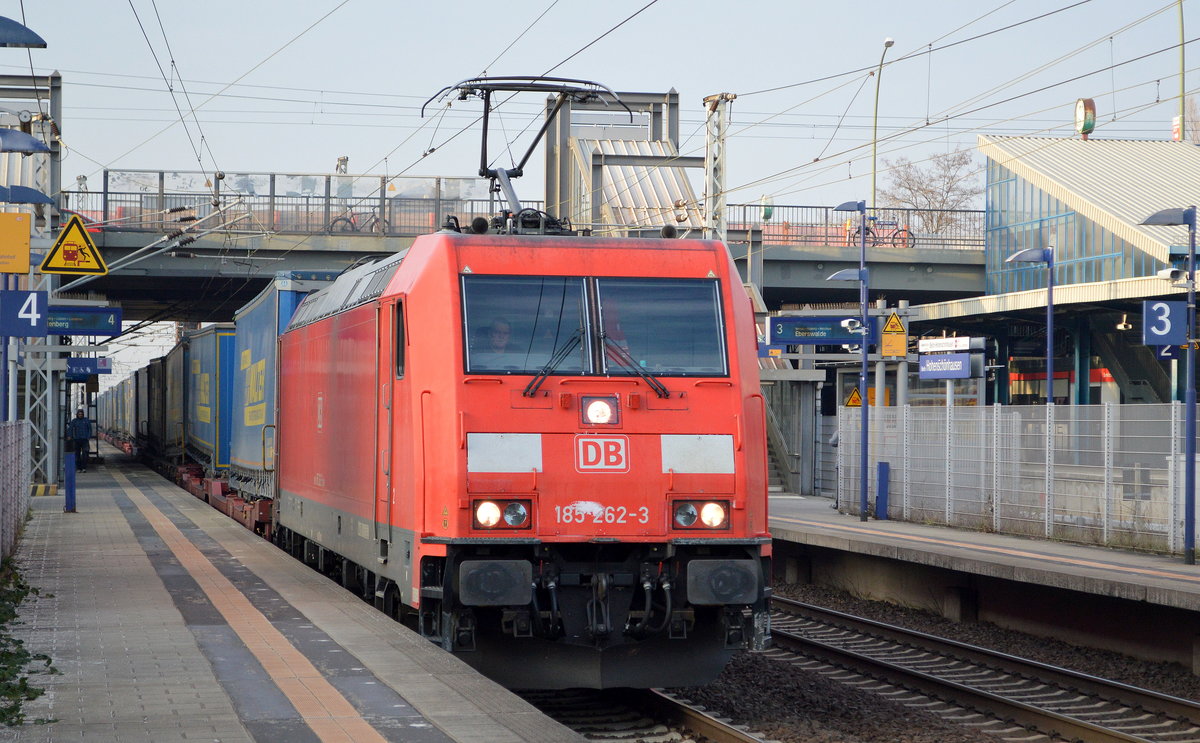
(498, 352)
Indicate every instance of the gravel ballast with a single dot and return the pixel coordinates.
(793, 705)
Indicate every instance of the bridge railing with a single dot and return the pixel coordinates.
(947, 229)
(409, 206)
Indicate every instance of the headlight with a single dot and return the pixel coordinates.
(598, 411)
(712, 515)
(685, 514)
(503, 514)
(515, 514)
(701, 514)
(487, 514)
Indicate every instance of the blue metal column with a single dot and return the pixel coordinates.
(1083, 360)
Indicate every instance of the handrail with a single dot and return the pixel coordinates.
(305, 203)
(778, 442)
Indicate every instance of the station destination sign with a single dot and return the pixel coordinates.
(818, 330)
(945, 345)
(945, 366)
(65, 320)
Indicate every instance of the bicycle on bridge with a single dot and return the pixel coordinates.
(885, 233)
(352, 221)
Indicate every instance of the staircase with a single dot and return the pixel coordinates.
(1133, 365)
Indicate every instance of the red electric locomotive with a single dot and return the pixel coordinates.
(548, 451)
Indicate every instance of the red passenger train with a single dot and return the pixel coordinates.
(547, 452)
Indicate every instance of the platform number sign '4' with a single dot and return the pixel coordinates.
(23, 314)
(1164, 323)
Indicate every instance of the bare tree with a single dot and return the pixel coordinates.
(949, 181)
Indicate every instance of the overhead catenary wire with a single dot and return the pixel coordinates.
(914, 54)
(983, 107)
(946, 119)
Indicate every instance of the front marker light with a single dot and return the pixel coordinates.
(712, 515)
(685, 514)
(487, 514)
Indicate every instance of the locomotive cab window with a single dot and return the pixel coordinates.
(612, 326)
(521, 324)
(665, 326)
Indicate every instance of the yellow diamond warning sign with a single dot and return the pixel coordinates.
(74, 252)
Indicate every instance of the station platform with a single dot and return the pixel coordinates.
(168, 621)
(1138, 603)
(1158, 579)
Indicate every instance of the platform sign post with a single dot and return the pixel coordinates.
(24, 314)
(1164, 323)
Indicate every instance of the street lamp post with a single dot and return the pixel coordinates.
(1175, 217)
(864, 327)
(887, 44)
(1043, 255)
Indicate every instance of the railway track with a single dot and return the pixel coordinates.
(1058, 703)
(635, 716)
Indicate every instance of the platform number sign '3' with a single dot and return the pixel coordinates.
(23, 314)
(1164, 323)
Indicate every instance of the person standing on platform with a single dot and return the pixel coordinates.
(80, 431)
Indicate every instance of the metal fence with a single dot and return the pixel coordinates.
(949, 229)
(1094, 474)
(15, 481)
(283, 202)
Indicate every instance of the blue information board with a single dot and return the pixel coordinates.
(23, 314)
(85, 365)
(945, 366)
(84, 321)
(818, 330)
(1164, 323)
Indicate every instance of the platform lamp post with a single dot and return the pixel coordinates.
(1043, 255)
(860, 275)
(887, 44)
(1187, 217)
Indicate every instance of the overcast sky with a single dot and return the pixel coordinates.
(286, 86)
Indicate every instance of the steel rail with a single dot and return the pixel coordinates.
(665, 707)
(1168, 708)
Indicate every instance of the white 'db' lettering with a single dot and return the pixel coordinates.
(602, 453)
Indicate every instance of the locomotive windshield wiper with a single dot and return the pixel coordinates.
(622, 356)
(560, 354)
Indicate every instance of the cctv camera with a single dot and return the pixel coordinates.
(851, 323)
(1172, 274)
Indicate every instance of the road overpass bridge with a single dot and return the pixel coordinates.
(178, 249)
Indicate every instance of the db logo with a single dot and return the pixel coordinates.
(602, 453)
